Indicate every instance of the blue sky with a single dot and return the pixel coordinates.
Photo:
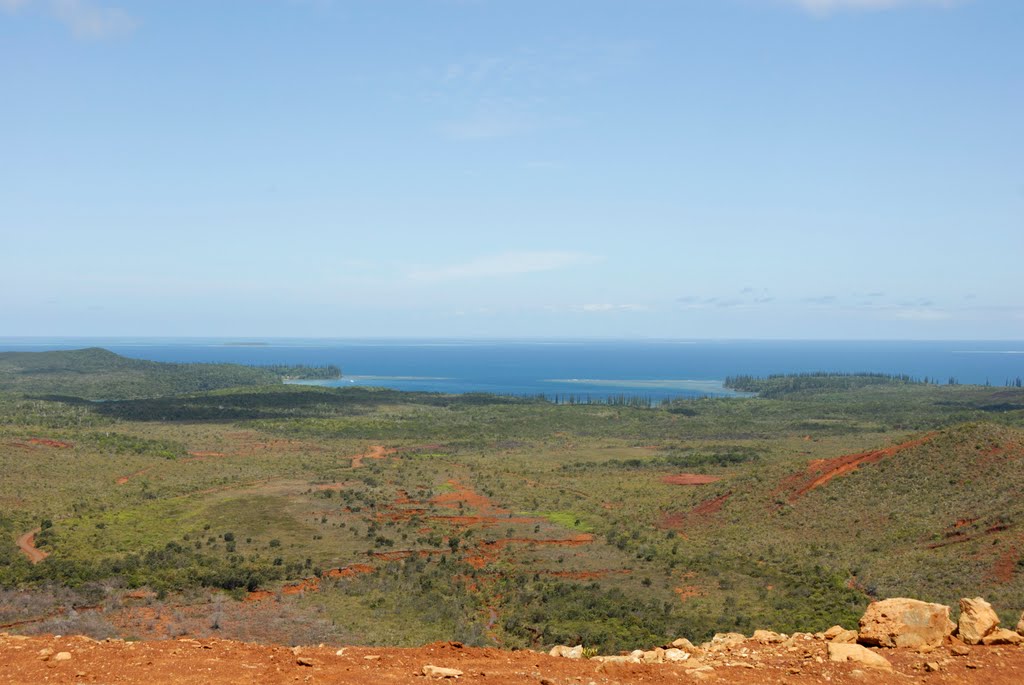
(654, 168)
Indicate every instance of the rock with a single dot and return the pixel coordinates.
(674, 655)
(901, 622)
(618, 659)
(45, 653)
(341, 652)
(305, 661)
(832, 632)
(618, 668)
(567, 652)
(931, 666)
(858, 655)
(798, 641)
(847, 637)
(441, 672)
(686, 645)
(701, 672)
(977, 619)
(722, 641)
(768, 637)
(62, 656)
(1002, 636)
(654, 656)
(959, 649)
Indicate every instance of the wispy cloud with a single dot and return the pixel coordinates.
(506, 264)
(826, 6)
(85, 19)
(605, 308)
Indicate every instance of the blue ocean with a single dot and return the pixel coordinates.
(583, 368)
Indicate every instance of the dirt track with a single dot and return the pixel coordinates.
(194, 662)
(821, 471)
(27, 545)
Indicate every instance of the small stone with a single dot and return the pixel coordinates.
(723, 641)
(675, 655)
(45, 653)
(305, 661)
(931, 666)
(372, 657)
(340, 652)
(1002, 636)
(441, 672)
(846, 637)
(959, 649)
(62, 656)
(832, 632)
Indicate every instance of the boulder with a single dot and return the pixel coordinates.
(674, 655)
(847, 637)
(977, 619)
(768, 637)
(1002, 636)
(858, 655)
(654, 656)
(832, 632)
(567, 652)
(722, 641)
(901, 622)
(687, 646)
(617, 659)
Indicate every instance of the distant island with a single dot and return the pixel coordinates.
(98, 374)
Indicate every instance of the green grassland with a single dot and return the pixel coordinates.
(518, 522)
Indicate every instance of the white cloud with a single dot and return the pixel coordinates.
(87, 20)
(506, 264)
(919, 314)
(83, 18)
(601, 308)
(825, 6)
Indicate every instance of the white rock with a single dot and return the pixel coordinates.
(441, 672)
(675, 655)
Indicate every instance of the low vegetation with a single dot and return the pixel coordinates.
(385, 517)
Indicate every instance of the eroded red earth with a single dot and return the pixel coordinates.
(208, 661)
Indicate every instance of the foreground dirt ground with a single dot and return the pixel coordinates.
(76, 659)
